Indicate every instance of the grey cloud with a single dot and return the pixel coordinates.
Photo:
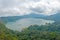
(38, 10)
(22, 7)
(8, 3)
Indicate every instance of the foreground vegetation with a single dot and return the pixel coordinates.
(33, 32)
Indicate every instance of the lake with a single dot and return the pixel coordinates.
(25, 22)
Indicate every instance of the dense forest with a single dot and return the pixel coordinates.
(33, 32)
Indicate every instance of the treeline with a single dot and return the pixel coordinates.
(33, 32)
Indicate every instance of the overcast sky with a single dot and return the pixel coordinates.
(24, 7)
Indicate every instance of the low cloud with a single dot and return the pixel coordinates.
(24, 7)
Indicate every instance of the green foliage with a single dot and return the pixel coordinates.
(33, 32)
(6, 34)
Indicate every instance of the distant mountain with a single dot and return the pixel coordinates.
(54, 17)
(14, 18)
(32, 15)
(10, 18)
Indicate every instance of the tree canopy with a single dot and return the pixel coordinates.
(33, 32)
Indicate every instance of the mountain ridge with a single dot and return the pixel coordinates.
(54, 17)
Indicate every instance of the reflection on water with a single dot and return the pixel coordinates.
(22, 23)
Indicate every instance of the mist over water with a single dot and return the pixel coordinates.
(23, 23)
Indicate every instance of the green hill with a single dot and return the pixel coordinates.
(6, 34)
(33, 32)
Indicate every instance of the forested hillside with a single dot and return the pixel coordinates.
(33, 32)
(6, 34)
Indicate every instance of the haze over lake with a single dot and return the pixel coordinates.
(25, 22)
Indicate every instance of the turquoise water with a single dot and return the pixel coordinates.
(23, 23)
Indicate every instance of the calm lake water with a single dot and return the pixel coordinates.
(23, 23)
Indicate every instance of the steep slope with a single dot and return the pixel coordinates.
(55, 17)
(6, 34)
